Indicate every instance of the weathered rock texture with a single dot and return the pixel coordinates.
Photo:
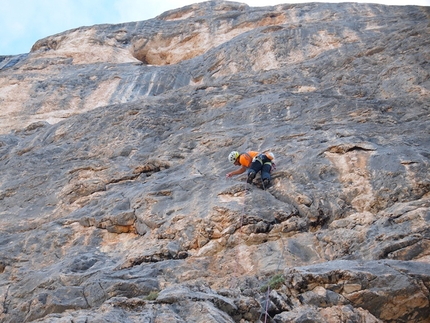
(114, 205)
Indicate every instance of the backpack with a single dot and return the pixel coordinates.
(269, 155)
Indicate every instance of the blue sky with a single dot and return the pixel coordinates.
(23, 22)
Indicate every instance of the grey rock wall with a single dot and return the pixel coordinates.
(114, 206)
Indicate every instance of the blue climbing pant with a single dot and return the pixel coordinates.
(263, 164)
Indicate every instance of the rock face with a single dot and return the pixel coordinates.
(114, 205)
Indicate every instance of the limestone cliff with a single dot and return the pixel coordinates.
(114, 206)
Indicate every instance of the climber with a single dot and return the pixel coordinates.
(254, 162)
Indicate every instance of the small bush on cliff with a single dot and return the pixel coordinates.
(274, 283)
(152, 296)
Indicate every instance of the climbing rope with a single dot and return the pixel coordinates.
(266, 303)
(240, 233)
(268, 286)
(280, 238)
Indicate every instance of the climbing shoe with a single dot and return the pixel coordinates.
(251, 177)
(266, 183)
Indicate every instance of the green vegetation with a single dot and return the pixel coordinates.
(152, 296)
(274, 283)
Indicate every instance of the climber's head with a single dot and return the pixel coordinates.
(233, 156)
